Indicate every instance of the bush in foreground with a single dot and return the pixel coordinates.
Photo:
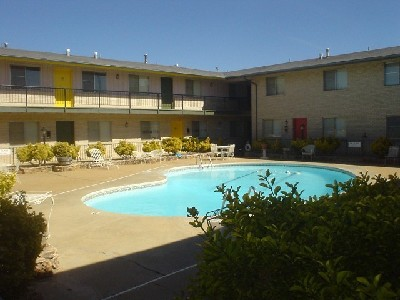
(21, 233)
(275, 245)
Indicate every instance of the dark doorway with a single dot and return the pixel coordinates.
(166, 92)
(65, 131)
(299, 128)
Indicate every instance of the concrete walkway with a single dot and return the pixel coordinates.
(112, 256)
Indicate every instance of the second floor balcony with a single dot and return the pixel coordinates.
(46, 99)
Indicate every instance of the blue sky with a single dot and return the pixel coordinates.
(201, 34)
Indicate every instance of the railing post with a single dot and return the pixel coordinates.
(26, 99)
(65, 100)
(99, 100)
(182, 103)
(158, 102)
(130, 101)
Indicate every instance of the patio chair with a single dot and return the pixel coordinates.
(308, 150)
(98, 159)
(214, 150)
(393, 154)
(231, 151)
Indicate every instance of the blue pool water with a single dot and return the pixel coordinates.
(196, 187)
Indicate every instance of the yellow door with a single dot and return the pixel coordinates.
(63, 85)
(177, 128)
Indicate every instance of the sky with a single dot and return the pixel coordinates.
(224, 35)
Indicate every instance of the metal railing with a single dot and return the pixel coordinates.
(45, 97)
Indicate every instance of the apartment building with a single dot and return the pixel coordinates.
(64, 97)
(352, 96)
(61, 97)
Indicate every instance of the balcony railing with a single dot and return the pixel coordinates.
(45, 97)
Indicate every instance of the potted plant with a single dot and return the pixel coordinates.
(64, 152)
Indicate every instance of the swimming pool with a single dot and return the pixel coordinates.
(194, 186)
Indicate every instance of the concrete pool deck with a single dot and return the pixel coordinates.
(111, 256)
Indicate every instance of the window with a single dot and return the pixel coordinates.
(92, 81)
(392, 74)
(271, 128)
(99, 131)
(334, 127)
(150, 130)
(138, 84)
(23, 133)
(199, 129)
(275, 86)
(192, 87)
(25, 76)
(393, 127)
(335, 80)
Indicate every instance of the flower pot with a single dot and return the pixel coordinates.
(64, 161)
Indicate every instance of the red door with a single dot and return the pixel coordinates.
(299, 128)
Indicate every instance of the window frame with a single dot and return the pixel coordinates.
(338, 83)
(99, 131)
(28, 76)
(139, 83)
(150, 130)
(338, 128)
(396, 72)
(275, 85)
(393, 127)
(21, 133)
(275, 126)
(94, 81)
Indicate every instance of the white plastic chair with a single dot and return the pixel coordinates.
(308, 150)
(393, 154)
(98, 159)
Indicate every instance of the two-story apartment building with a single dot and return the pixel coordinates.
(63, 97)
(351, 96)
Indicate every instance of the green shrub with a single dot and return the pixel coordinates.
(125, 149)
(190, 144)
(300, 143)
(35, 152)
(7, 181)
(327, 145)
(204, 145)
(150, 146)
(276, 245)
(172, 145)
(64, 149)
(380, 146)
(21, 232)
(98, 145)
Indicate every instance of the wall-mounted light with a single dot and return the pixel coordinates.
(126, 124)
(117, 76)
(187, 130)
(286, 126)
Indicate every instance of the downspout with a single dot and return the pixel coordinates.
(255, 84)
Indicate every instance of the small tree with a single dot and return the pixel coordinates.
(327, 145)
(151, 145)
(35, 152)
(172, 145)
(125, 149)
(64, 149)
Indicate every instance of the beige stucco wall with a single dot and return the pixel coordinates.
(364, 104)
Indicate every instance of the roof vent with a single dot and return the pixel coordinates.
(145, 58)
(321, 56)
(68, 52)
(327, 52)
(95, 55)
(5, 44)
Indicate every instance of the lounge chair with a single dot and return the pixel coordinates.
(393, 154)
(98, 159)
(308, 150)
